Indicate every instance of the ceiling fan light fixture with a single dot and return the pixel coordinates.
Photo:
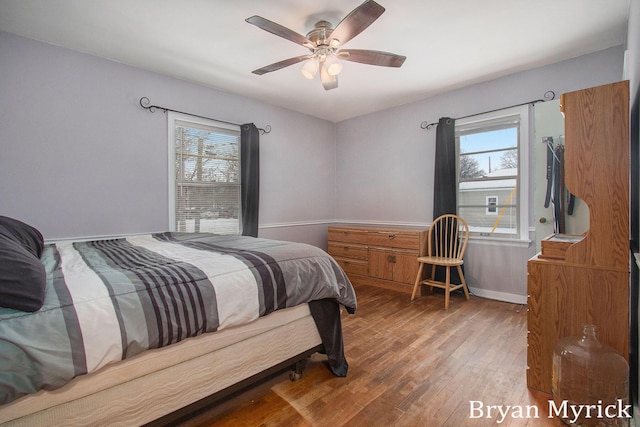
(333, 65)
(310, 68)
(328, 81)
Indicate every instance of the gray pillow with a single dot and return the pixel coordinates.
(22, 275)
(24, 234)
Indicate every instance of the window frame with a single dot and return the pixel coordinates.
(493, 119)
(172, 119)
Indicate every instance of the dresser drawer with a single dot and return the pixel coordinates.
(394, 240)
(353, 266)
(378, 255)
(347, 235)
(345, 250)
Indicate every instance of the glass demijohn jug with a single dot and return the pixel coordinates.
(590, 382)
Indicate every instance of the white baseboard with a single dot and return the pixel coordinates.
(499, 296)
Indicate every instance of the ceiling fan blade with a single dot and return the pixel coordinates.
(372, 57)
(279, 30)
(355, 22)
(278, 65)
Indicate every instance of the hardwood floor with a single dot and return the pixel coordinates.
(411, 364)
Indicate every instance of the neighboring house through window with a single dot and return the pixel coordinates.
(493, 173)
(204, 175)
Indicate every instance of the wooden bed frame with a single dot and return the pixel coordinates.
(152, 386)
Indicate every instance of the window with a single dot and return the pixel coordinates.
(204, 165)
(493, 173)
(492, 205)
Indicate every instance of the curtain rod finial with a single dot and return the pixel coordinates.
(427, 125)
(144, 103)
(267, 129)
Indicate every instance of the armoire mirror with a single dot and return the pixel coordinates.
(549, 129)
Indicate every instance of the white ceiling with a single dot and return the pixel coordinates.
(448, 43)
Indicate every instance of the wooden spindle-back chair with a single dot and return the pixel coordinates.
(447, 242)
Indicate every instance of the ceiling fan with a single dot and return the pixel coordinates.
(325, 44)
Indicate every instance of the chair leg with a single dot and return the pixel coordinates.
(464, 283)
(418, 280)
(433, 275)
(447, 285)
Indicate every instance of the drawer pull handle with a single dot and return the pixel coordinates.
(391, 236)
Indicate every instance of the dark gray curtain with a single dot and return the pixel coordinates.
(444, 192)
(250, 184)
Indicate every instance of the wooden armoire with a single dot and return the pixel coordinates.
(585, 278)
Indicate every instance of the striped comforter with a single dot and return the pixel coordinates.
(108, 300)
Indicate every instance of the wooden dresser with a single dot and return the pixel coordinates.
(585, 278)
(377, 255)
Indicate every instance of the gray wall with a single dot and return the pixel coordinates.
(632, 72)
(385, 160)
(79, 156)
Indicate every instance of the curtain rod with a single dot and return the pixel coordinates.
(548, 96)
(144, 103)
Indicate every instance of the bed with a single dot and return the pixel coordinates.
(128, 331)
